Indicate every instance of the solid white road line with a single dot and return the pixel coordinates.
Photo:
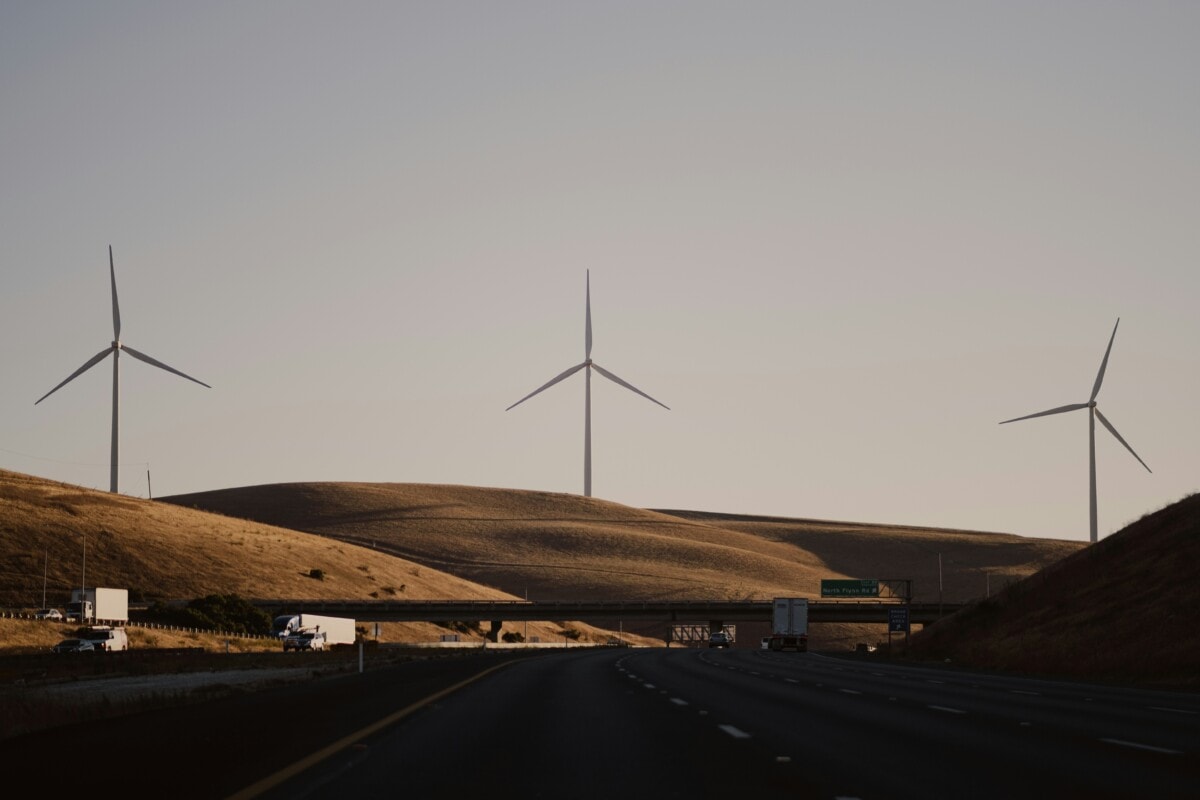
(1172, 710)
(1022, 691)
(848, 691)
(947, 709)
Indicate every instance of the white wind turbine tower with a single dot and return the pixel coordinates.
(1093, 415)
(115, 348)
(587, 402)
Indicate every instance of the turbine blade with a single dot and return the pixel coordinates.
(1113, 431)
(1059, 410)
(112, 273)
(588, 334)
(556, 379)
(1104, 363)
(160, 365)
(628, 386)
(91, 362)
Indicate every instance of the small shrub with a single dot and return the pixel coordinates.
(317, 574)
(512, 636)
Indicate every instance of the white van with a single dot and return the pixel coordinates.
(107, 640)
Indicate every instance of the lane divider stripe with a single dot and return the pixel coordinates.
(271, 781)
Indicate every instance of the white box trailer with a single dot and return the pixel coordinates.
(99, 604)
(789, 624)
(337, 630)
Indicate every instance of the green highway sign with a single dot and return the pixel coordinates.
(866, 587)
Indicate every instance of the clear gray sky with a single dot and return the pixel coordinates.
(841, 241)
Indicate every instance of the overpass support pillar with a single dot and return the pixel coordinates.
(493, 634)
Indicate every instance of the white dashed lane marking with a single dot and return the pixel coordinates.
(678, 701)
(947, 709)
(734, 732)
(1139, 746)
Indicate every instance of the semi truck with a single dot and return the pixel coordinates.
(99, 604)
(789, 625)
(334, 630)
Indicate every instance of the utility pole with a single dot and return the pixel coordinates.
(83, 581)
(940, 587)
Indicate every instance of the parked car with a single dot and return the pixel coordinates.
(74, 646)
(49, 613)
(719, 639)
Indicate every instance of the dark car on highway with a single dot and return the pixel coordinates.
(74, 646)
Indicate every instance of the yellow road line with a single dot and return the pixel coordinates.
(271, 781)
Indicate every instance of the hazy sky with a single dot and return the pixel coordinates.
(841, 241)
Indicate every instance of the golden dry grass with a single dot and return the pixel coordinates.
(567, 547)
(417, 541)
(161, 551)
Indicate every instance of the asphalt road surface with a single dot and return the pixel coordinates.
(618, 722)
(688, 723)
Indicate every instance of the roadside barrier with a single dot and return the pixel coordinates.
(11, 614)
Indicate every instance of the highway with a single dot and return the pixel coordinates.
(687, 723)
(654, 722)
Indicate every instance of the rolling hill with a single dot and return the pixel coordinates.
(568, 547)
(418, 541)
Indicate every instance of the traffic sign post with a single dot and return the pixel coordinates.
(898, 622)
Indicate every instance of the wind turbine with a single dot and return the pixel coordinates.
(587, 401)
(115, 348)
(1093, 415)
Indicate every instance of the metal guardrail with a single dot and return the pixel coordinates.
(10, 614)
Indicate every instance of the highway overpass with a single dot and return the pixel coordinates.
(671, 611)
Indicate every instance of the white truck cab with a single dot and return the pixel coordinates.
(105, 639)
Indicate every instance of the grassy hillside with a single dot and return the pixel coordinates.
(162, 551)
(412, 541)
(972, 562)
(566, 547)
(1121, 610)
